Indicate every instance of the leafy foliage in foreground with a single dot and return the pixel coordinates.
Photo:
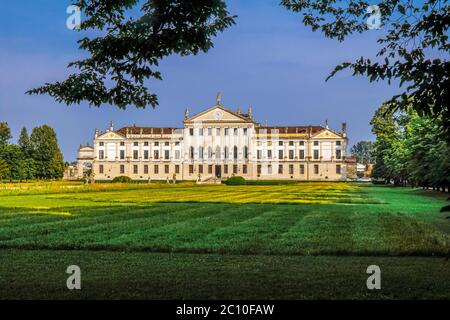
(131, 47)
(414, 47)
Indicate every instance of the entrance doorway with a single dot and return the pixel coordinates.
(218, 171)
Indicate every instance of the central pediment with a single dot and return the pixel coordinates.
(218, 113)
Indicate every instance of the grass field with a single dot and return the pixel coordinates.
(308, 240)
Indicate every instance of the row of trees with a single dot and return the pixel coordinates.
(33, 157)
(410, 149)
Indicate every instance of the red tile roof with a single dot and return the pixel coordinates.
(145, 130)
(290, 129)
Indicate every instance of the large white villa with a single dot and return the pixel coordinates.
(217, 143)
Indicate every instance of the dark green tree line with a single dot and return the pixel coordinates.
(35, 156)
(410, 149)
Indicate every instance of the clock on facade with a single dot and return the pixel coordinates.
(218, 114)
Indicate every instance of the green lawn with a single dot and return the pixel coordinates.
(289, 241)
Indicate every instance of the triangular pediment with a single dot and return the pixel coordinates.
(110, 135)
(326, 134)
(217, 113)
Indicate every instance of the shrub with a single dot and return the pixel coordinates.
(122, 179)
(235, 181)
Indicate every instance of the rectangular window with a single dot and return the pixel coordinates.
(145, 169)
(156, 143)
(280, 143)
(259, 154)
(291, 143)
(146, 144)
(167, 143)
(302, 154)
(338, 154)
(291, 154)
(146, 154)
(302, 169)
(166, 154)
(209, 131)
(302, 143)
(291, 169)
(269, 169)
(156, 154)
(258, 169)
(156, 169)
(101, 154)
(316, 143)
(177, 168)
(225, 169)
(166, 169)
(177, 154)
(100, 168)
(235, 130)
(101, 144)
(136, 144)
(235, 169)
(200, 131)
(135, 154)
(280, 169)
(191, 169)
(338, 143)
(244, 169)
(135, 169)
(210, 167)
(122, 169)
(226, 132)
(122, 143)
(191, 131)
(218, 132)
(177, 143)
(122, 154)
(338, 169)
(200, 168)
(269, 154)
(316, 154)
(316, 169)
(245, 131)
(280, 154)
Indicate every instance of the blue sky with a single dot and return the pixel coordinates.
(268, 60)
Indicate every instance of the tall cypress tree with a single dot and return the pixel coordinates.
(24, 142)
(48, 158)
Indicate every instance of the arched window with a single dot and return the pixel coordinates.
(200, 152)
(209, 153)
(235, 152)
(217, 153)
(246, 152)
(191, 153)
(225, 153)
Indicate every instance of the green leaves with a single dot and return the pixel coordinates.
(414, 40)
(126, 56)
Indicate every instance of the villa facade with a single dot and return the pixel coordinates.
(215, 144)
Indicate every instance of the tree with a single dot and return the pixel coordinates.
(4, 170)
(362, 151)
(24, 142)
(411, 149)
(13, 156)
(5, 133)
(49, 163)
(414, 47)
(127, 54)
